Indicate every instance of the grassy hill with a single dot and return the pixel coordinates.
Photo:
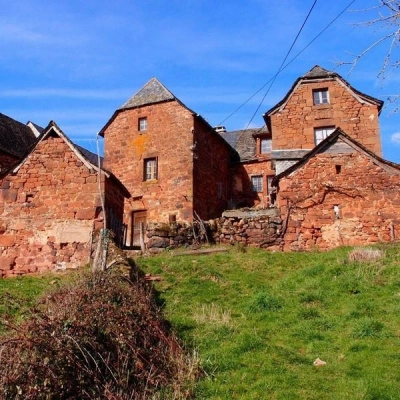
(257, 321)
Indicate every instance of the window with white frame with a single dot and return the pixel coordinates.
(321, 96)
(142, 124)
(257, 183)
(150, 168)
(321, 133)
(265, 145)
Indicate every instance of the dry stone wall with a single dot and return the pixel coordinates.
(255, 228)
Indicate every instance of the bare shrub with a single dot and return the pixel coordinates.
(99, 338)
(365, 254)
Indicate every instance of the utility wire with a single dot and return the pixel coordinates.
(283, 63)
(289, 62)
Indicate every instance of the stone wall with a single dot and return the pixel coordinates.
(340, 199)
(293, 126)
(211, 187)
(242, 191)
(49, 209)
(168, 138)
(255, 228)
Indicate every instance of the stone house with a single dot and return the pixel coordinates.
(319, 102)
(50, 205)
(339, 193)
(173, 163)
(316, 166)
(252, 169)
(16, 140)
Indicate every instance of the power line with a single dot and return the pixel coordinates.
(287, 64)
(283, 62)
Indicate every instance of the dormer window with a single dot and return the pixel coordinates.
(321, 96)
(265, 145)
(142, 124)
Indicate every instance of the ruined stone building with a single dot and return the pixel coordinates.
(316, 162)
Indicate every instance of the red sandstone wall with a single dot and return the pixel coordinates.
(46, 211)
(211, 181)
(242, 193)
(367, 197)
(293, 127)
(169, 137)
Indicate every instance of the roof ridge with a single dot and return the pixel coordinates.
(152, 92)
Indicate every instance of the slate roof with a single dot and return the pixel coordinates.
(243, 141)
(318, 72)
(152, 92)
(15, 138)
(91, 157)
(327, 142)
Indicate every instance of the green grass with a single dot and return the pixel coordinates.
(258, 320)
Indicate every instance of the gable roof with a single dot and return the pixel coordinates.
(16, 138)
(88, 158)
(318, 73)
(328, 142)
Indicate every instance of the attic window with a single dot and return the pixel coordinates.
(265, 145)
(142, 124)
(322, 133)
(321, 96)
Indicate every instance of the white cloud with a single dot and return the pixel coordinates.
(395, 138)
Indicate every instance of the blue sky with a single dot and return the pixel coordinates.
(76, 62)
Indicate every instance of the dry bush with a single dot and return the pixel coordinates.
(99, 338)
(365, 254)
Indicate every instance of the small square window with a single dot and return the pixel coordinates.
(150, 169)
(322, 133)
(321, 96)
(142, 124)
(257, 183)
(266, 146)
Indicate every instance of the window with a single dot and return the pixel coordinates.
(257, 183)
(150, 169)
(142, 124)
(266, 146)
(321, 96)
(321, 133)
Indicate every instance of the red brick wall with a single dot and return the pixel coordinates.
(47, 210)
(293, 127)
(242, 193)
(168, 137)
(366, 197)
(211, 184)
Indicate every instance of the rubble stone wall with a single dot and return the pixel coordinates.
(293, 126)
(340, 199)
(47, 211)
(254, 228)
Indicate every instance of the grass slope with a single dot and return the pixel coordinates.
(260, 319)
